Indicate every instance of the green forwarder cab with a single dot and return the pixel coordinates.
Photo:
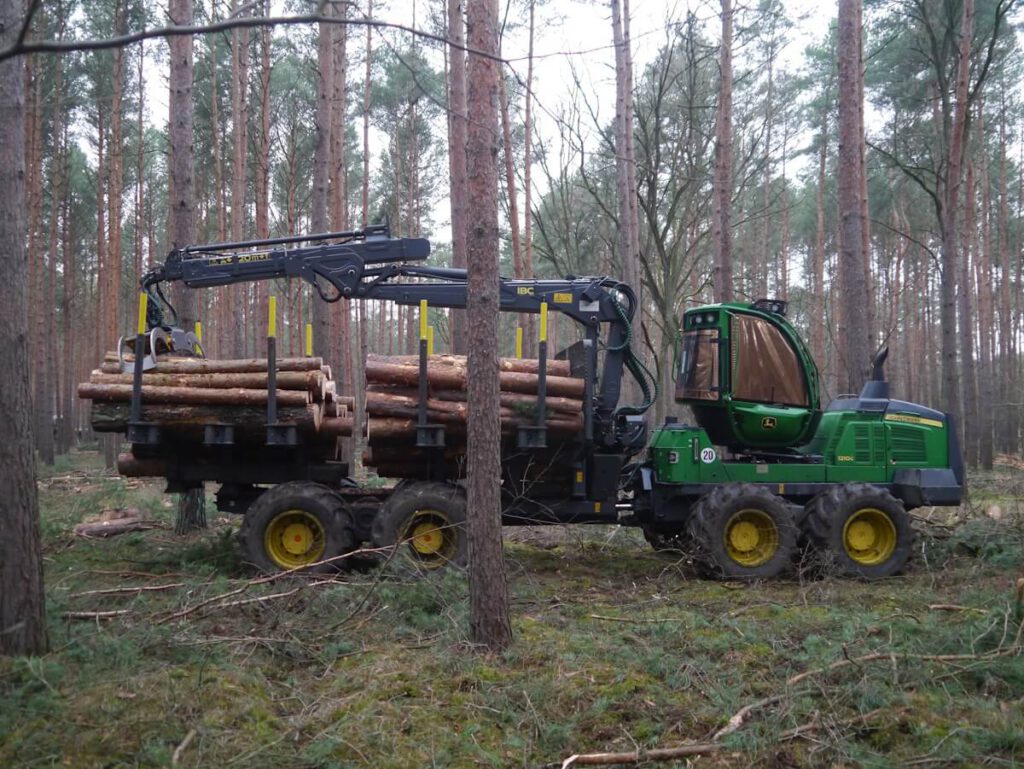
(766, 464)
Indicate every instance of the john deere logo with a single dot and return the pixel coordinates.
(768, 423)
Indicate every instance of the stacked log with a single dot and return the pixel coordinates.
(184, 395)
(392, 407)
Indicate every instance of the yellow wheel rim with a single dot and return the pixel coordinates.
(869, 537)
(432, 538)
(294, 538)
(751, 538)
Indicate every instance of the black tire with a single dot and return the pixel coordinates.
(296, 525)
(742, 531)
(426, 524)
(861, 530)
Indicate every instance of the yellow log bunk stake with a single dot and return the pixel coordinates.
(430, 340)
(309, 340)
(519, 341)
(423, 319)
(199, 331)
(543, 321)
(272, 320)
(143, 305)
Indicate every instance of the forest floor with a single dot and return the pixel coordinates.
(616, 648)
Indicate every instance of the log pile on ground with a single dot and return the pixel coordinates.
(184, 395)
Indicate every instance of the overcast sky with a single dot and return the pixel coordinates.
(573, 52)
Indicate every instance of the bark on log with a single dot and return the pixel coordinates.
(310, 381)
(112, 528)
(190, 419)
(454, 378)
(520, 401)
(445, 412)
(386, 428)
(112, 393)
(204, 366)
(523, 366)
(336, 427)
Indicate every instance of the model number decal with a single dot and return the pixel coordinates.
(707, 456)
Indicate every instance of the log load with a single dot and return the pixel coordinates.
(184, 395)
(392, 408)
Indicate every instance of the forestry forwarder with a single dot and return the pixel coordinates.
(764, 469)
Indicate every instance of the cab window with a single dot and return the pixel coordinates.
(765, 367)
(698, 366)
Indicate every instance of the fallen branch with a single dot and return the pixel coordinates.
(91, 615)
(741, 716)
(640, 756)
(127, 590)
(815, 723)
(182, 613)
(892, 656)
(103, 529)
(634, 621)
(178, 751)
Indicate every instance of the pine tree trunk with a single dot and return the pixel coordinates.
(217, 335)
(488, 591)
(530, 333)
(984, 281)
(966, 315)
(457, 128)
(340, 312)
(239, 173)
(182, 189)
(181, 152)
(950, 240)
(22, 616)
(853, 332)
(1006, 436)
(69, 289)
(721, 202)
(262, 178)
(510, 183)
(818, 264)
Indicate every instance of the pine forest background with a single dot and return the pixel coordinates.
(284, 114)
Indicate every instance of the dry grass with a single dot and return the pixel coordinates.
(616, 648)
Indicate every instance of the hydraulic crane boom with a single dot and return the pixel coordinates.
(370, 264)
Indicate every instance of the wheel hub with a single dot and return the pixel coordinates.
(430, 538)
(751, 537)
(295, 538)
(869, 537)
(427, 538)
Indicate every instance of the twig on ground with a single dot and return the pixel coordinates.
(127, 590)
(298, 571)
(178, 751)
(632, 620)
(741, 716)
(89, 615)
(639, 756)
(815, 723)
(1006, 652)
